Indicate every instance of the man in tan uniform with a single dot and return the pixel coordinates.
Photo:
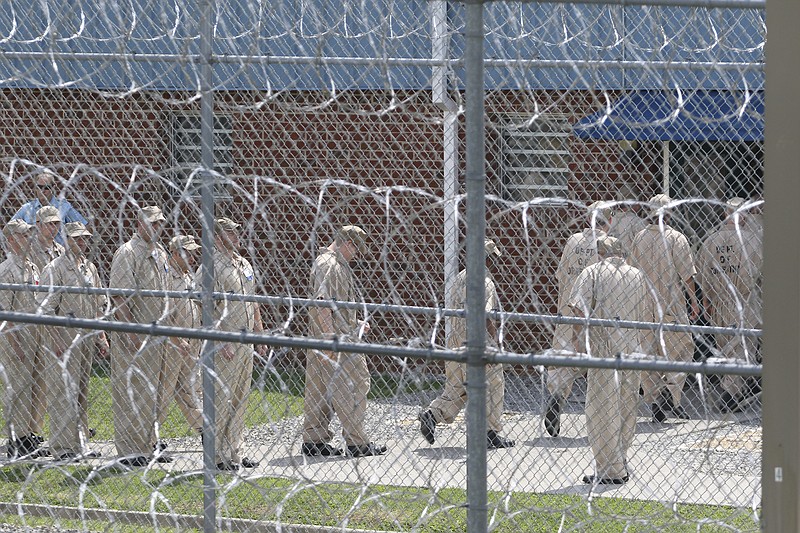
(71, 350)
(19, 343)
(445, 408)
(44, 249)
(730, 262)
(337, 382)
(233, 274)
(137, 360)
(664, 255)
(579, 252)
(180, 379)
(611, 289)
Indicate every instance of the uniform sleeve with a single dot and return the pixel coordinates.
(122, 275)
(582, 294)
(566, 259)
(6, 297)
(492, 299)
(683, 258)
(49, 301)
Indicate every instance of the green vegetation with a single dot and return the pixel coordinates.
(374, 507)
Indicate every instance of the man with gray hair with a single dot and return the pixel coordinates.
(611, 289)
(579, 252)
(445, 408)
(136, 360)
(19, 343)
(664, 255)
(46, 187)
(337, 382)
(729, 265)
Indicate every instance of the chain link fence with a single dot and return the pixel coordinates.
(247, 309)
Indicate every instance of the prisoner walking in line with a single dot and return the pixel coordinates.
(137, 360)
(729, 265)
(233, 274)
(70, 351)
(579, 252)
(180, 375)
(454, 397)
(664, 255)
(337, 382)
(44, 249)
(611, 289)
(19, 343)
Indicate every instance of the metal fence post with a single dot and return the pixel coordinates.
(207, 10)
(781, 435)
(475, 264)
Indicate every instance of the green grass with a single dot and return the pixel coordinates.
(372, 507)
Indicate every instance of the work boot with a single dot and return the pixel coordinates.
(365, 450)
(427, 426)
(658, 413)
(552, 416)
(668, 405)
(314, 449)
(495, 441)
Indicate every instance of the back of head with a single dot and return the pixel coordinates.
(599, 213)
(608, 246)
(658, 203)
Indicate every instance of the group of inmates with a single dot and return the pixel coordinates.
(620, 266)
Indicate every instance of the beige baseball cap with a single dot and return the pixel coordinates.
(16, 227)
(609, 246)
(490, 247)
(152, 213)
(226, 224)
(735, 203)
(657, 202)
(183, 242)
(356, 235)
(48, 213)
(76, 229)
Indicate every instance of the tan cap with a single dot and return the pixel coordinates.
(735, 203)
(48, 213)
(657, 202)
(76, 229)
(183, 242)
(603, 210)
(226, 224)
(356, 235)
(16, 226)
(46, 178)
(608, 246)
(152, 213)
(491, 248)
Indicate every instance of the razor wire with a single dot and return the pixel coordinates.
(353, 114)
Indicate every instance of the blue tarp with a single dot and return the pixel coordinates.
(697, 115)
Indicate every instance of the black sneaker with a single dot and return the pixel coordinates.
(552, 416)
(134, 461)
(164, 458)
(495, 441)
(315, 449)
(365, 450)
(427, 426)
(658, 413)
(66, 457)
(225, 466)
(668, 405)
(249, 463)
(594, 480)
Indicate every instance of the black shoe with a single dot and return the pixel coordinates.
(67, 457)
(225, 466)
(668, 405)
(91, 454)
(92, 433)
(552, 416)
(135, 461)
(249, 463)
(658, 413)
(495, 441)
(427, 426)
(38, 439)
(314, 449)
(160, 446)
(592, 480)
(365, 450)
(680, 412)
(164, 458)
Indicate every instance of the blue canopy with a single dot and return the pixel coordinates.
(697, 115)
